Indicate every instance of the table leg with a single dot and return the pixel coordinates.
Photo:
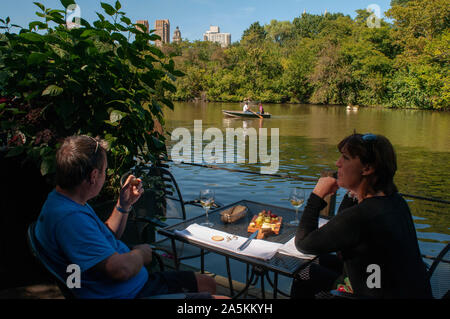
(246, 278)
(263, 291)
(246, 287)
(275, 284)
(202, 261)
(230, 280)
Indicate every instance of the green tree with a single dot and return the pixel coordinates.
(279, 31)
(421, 29)
(90, 80)
(254, 33)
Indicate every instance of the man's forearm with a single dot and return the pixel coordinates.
(122, 267)
(117, 222)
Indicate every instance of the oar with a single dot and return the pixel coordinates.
(256, 114)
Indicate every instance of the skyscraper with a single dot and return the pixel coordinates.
(176, 36)
(214, 35)
(163, 30)
(144, 22)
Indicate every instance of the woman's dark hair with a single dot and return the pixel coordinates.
(77, 157)
(378, 152)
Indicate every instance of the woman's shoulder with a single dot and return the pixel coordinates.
(390, 205)
(394, 199)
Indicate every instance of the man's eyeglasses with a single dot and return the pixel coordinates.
(96, 141)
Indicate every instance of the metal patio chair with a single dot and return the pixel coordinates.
(39, 253)
(438, 273)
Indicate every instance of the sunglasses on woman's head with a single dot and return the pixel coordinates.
(369, 137)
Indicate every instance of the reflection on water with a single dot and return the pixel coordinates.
(307, 145)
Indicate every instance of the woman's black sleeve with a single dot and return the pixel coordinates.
(341, 232)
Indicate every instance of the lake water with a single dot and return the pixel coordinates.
(308, 135)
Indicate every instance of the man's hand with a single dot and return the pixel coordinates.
(146, 252)
(130, 192)
(325, 186)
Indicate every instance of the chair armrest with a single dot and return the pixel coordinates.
(156, 256)
(152, 221)
(163, 249)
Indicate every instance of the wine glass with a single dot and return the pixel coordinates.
(297, 198)
(207, 200)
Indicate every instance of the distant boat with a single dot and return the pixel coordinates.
(242, 114)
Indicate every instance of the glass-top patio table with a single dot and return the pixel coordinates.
(279, 264)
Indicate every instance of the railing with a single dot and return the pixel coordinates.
(307, 179)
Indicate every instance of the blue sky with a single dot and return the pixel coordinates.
(195, 16)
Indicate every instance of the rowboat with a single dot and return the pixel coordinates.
(242, 114)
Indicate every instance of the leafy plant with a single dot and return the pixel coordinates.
(102, 79)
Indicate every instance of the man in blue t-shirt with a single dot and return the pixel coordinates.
(71, 233)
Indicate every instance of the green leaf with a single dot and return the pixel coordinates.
(87, 33)
(116, 116)
(3, 76)
(52, 90)
(108, 9)
(36, 58)
(67, 3)
(15, 151)
(158, 144)
(168, 103)
(40, 5)
(31, 36)
(58, 50)
(47, 165)
(178, 73)
(39, 24)
(125, 20)
(168, 86)
(118, 5)
(100, 16)
(111, 123)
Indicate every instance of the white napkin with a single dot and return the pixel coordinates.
(290, 249)
(257, 248)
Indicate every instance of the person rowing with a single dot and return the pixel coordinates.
(246, 108)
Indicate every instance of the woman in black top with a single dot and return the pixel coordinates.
(373, 233)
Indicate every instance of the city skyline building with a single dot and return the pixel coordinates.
(144, 22)
(214, 35)
(162, 28)
(176, 36)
